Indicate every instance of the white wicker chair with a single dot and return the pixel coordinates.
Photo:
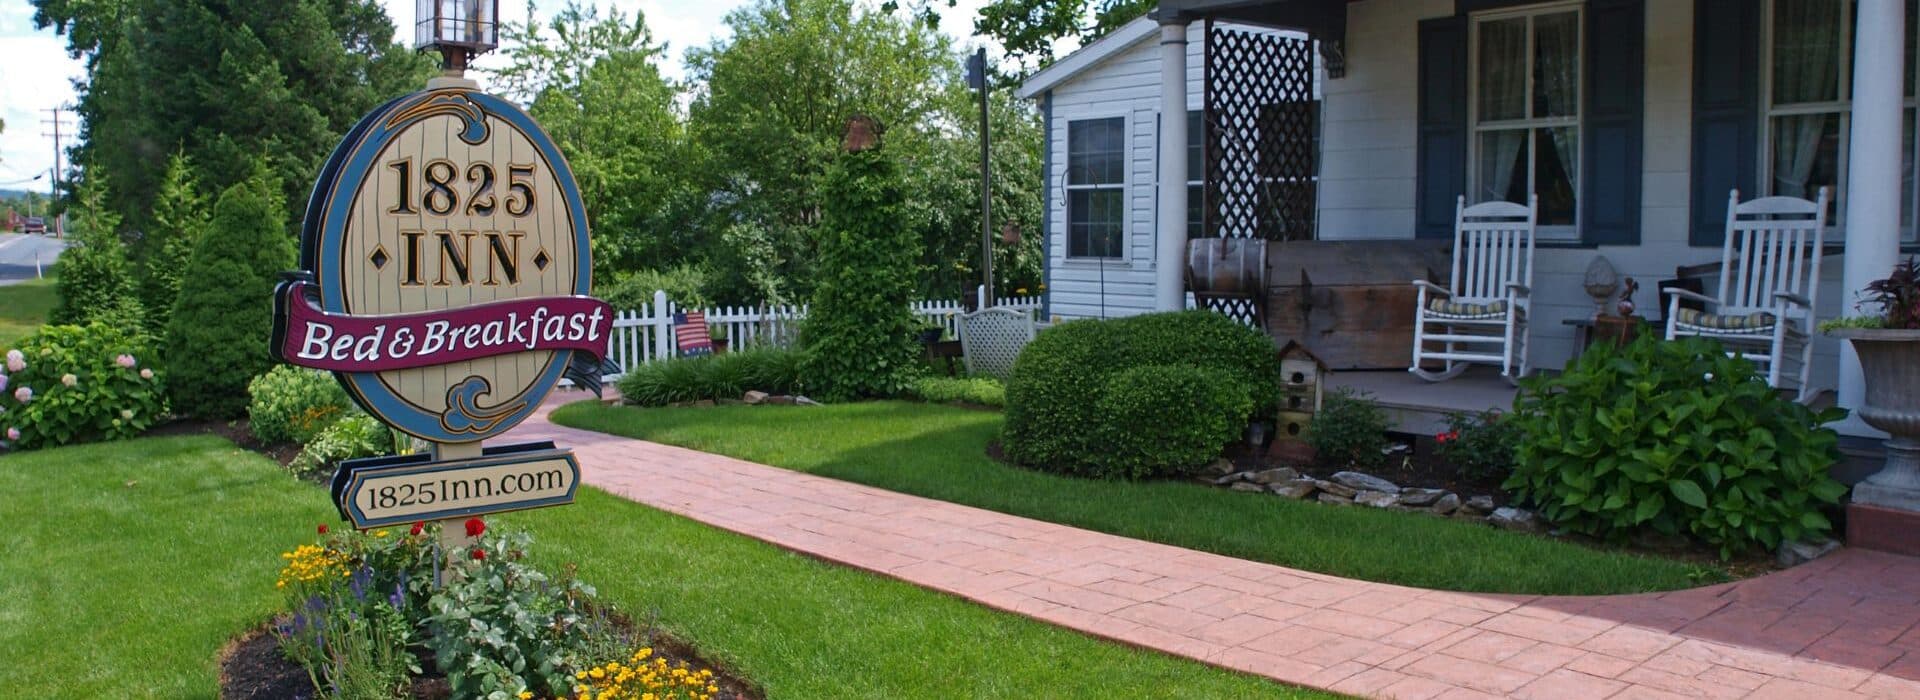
(1485, 309)
(990, 339)
(1769, 272)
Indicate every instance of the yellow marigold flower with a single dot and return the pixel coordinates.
(598, 673)
(380, 533)
(524, 694)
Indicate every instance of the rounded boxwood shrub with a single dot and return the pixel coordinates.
(1674, 437)
(67, 384)
(291, 404)
(1167, 420)
(1054, 419)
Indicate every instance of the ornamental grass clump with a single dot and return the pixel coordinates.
(68, 384)
(1678, 438)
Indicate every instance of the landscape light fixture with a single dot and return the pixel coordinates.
(458, 29)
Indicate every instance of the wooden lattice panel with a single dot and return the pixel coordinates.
(1262, 132)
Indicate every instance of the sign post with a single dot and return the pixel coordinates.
(444, 280)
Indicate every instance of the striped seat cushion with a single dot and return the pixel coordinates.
(1460, 309)
(1697, 320)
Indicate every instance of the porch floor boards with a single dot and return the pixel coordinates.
(1415, 405)
(1845, 626)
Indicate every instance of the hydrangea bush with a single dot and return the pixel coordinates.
(67, 384)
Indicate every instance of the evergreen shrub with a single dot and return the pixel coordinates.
(1168, 420)
(859, 332)
(1054, 420)
(217, 339)
(1678, 438)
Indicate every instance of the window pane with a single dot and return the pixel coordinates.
(1503, 69)
(1501, 173)
(1094, 154)
(1556, 164)
(1196, 147)
(1556, 65)
(1196, 210)
(1806, 154)
(1806, 51)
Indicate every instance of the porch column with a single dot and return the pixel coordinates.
(1170, 250)
(1873, 173)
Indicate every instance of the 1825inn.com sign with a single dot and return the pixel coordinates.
(445, 272)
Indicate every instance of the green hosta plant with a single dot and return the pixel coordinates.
(1674, 437)
(291, 404)
(357, 435)
(68, 384)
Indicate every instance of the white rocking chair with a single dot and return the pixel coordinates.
(1769, 272)
(1482, 316)
(990, 340)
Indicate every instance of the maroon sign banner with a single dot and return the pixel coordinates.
(377, 343)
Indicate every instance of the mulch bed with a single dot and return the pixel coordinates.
(252, 668)
(1418, 466)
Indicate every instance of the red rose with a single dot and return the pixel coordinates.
(479, 554)
(417, 527)
(475, 527)
(323, 528)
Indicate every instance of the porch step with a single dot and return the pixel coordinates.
(1416, 406)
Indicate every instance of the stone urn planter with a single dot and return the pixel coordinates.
(1890, 361)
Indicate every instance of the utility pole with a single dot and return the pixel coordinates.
(53, 119)
(977, 79)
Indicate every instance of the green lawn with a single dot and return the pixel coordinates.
(124, 567)
(939, 452)
(23, 308)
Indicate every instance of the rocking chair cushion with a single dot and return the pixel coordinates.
(1697, 320)
(1449, 308)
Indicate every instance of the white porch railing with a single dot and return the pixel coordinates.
(645, 334)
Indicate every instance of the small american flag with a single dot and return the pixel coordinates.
(690, 334)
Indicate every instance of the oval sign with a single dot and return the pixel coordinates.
(448, 245)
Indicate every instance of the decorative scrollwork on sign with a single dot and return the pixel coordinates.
(464, 414)
(453, 104)
(1262, 123)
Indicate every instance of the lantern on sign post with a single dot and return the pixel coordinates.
(458, 29)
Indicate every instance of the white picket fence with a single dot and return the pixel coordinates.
(646, 334)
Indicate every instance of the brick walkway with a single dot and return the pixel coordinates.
(1841, 627)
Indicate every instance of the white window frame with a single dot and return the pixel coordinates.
(1475, 127)
(1843, 106)
(1068, 188)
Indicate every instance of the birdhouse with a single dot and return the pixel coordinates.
(459, 29)
(1302, 379)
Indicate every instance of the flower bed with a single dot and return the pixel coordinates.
(387, 613)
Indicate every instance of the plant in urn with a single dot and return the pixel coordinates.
(1626, 297)
(1888, 345)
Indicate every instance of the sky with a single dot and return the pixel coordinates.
(36, 74)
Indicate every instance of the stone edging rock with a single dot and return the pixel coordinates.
(1362, 489)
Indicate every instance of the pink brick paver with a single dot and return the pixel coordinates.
(1846, 626)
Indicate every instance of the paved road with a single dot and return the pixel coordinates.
(18, 252)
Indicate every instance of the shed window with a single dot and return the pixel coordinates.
(1525, 111)
(1096, 187)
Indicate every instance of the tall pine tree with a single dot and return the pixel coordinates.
(179, 219)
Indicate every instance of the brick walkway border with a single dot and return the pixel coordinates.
(1841, 627)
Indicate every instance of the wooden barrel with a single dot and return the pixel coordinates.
(1227, 265)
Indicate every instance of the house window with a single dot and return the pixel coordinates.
(1806, 97)
(1525, 111)
(1196, 173)
(1096, 187)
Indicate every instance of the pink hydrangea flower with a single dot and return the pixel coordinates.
(146, 373)
(16, 361)
(124, 361)
(69, 380)
(23, 394)
(13, 433)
